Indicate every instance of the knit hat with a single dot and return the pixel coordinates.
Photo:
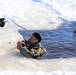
(37, 36)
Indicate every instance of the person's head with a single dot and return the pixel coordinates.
(35, 38)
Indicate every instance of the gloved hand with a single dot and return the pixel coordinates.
(19, 45)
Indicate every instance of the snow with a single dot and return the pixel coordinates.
(66, 8)
(36, 73)
(32, 16)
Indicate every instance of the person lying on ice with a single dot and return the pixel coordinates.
(32, 47)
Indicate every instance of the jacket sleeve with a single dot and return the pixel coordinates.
(24, 42)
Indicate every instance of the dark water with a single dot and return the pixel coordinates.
(59, 43)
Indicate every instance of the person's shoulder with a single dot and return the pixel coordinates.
(40, 43)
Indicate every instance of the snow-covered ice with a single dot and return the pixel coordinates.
(33, 15)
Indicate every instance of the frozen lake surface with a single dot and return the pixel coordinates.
(55, 26)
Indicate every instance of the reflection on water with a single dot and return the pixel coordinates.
(59, 43)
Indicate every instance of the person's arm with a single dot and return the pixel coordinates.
(24, 42)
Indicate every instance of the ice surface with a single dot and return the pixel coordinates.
(33, 15)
